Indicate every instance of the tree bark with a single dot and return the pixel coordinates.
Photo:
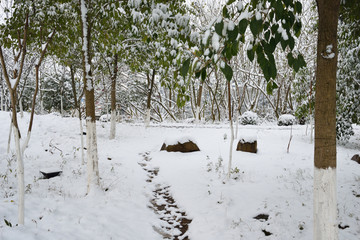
(78, 108)
(325, 207)
(148, 102)
(231, 129)
(92, 153)
(198, 102)
(113, 98)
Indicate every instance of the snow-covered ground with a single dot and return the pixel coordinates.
(271, 182)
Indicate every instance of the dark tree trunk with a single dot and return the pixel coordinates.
(325, 209)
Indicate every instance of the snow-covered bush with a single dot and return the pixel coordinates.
(286, 120)
(249, 118)
(105, 118)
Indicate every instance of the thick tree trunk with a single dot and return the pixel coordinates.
(92, 154)
(325, 207)
(148, 103)
(113, 99)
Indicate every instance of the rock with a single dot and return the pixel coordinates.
(50, 173)
(245, 146)
(356, 158)
(188, 146)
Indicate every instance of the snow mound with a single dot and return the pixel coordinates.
(248, 138)
(179, 139)
(249, 118)
(286, 120)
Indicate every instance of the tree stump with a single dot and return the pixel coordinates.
(356, 158)
(247, 146)
(188, 146)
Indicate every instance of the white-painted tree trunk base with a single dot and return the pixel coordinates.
(26, 143)
(237, 124)
(113, 125)
(20, 176)
(311, 130)
(147, 120)
(197, 114)
(92, 155)
(231, 148)
(82, 141)
(325, 204)
(21, 108)
(9, 139)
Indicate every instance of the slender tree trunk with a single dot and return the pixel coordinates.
(78, 108)
(231, 129)
(92, 152)
(113, 98)
(198, 102)
(21, 108)
(9, 139)
(325, 204)
(150, 90)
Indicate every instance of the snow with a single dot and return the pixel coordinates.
(329, 52)
(206, 37)
(258, 16)
(172, 140)
(249, 138)
(271, 182)
(215, 41)
(283, 33)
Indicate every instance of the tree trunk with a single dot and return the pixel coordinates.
(78, 108)
(92, 153)
(231, 129)
(113, 99)
(325, 204)
(198, 102)
(21, 108)
(148, 103)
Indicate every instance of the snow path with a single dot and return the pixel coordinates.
(174, 220)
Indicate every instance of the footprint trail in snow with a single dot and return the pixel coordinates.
(175, 222)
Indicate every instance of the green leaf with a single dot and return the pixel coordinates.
(287, 2)
(291, 42)
(270, 87)
(283, 44)
(267, 35)
(290, 59)
(272, 70)
(227, 71)
(197, 74)
(203, 74)
(225, 12)
(235, 48)
(185, 68)
(219, 27)
(298, 7)
(274, 28)
(230, 2)
(243, 25)
(301, 60)
(250, 54)
(297, 28)
(255, 26)
(233, 34)
(279, 9)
